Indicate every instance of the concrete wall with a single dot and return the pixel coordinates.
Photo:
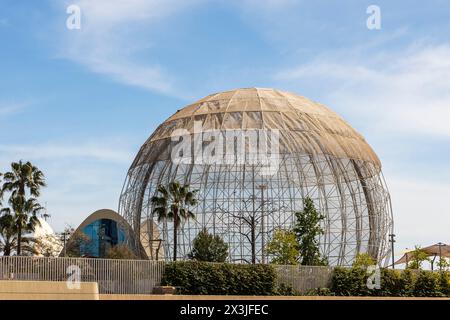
(52, 290)
(241, 298)
(46, 290)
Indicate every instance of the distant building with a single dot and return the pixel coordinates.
(47, 243)
(99, 232)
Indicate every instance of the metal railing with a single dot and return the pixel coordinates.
(112, 276)
(304, 278)
(134, 276)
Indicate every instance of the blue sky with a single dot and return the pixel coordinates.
(79, 103)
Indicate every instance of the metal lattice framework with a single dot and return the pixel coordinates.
(319, 156)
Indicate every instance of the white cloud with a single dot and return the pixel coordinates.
(406, 92)
(115, 38)
(7, 109)
(114, 32)
(94, 151)
(268, 5)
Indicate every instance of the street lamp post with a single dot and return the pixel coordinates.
(392, 241)
(440, 244)
(160, 241)
(64, 235)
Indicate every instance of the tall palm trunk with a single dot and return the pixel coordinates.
(175, 238)
(19, 229)
(19, 240)
(7, 250)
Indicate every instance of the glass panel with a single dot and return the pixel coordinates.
(103, 234)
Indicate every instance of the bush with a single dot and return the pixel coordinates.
(193, 277)
(286, 290)
(350, 282)
(407, 279)
(394, 283)
(320, 292)
(444, 283)
(427, 285)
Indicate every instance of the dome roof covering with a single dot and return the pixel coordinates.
(305, 126)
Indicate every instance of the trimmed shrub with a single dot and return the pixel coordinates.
(286, 290)
(394, 283)
(427, 285)
(320, 292)
(203, 278)
(350, 282)
(444, 283)
(407, 278)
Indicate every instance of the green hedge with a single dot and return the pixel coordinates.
(193, 277)
(394, 283)
(204, 278)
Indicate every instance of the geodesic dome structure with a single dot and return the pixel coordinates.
(254, 155)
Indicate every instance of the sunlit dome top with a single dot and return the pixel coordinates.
(306, 127)
(43, 229)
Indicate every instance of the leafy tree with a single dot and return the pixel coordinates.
(23, 182)
(443, 264)
(363, 260)
(172, 203)
(283, 247)
(209, 248)
(418, 257)
(307, 229)
(251, 218)
(48, 245)
(120, 252)
(76, 242)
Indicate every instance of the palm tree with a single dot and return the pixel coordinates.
(1, 192)
(24, 214)
(7, 233)
(22, 181)
(9, 240)
(172, 205)
(23, 176)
